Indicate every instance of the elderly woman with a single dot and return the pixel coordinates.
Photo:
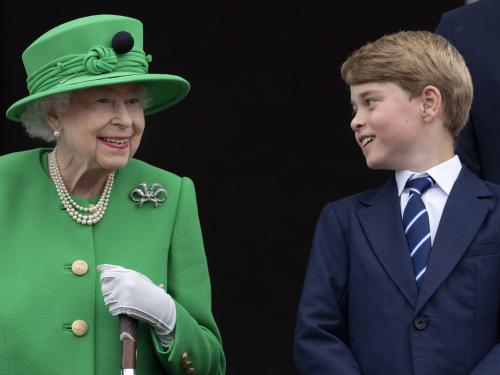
(88, 233)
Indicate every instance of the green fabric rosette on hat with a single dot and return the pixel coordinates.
(90, 52)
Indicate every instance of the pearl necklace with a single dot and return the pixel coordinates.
(83, 215)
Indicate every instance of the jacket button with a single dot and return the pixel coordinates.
(420, 323)
(79, 267)
(191, 371)
(79, 327)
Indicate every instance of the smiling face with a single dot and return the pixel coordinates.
(101, 128)
(388, 125)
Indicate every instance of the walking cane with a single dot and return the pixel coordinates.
(128, 334)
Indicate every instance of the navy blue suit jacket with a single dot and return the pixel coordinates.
(475, 31)
(360, 312)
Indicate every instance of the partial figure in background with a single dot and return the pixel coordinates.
(475, 31)
(88, 232)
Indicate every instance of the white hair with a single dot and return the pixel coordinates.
(34, 117)
(34, 120)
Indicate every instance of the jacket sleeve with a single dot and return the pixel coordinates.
(490, 364)
(467, 142)
(196, 332)
(321, 337)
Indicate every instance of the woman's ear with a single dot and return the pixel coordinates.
(52, 118)
(432, 103)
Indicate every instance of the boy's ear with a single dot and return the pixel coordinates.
(432, 103)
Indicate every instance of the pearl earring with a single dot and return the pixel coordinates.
(57, 133)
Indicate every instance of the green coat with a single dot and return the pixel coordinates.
(40, 296)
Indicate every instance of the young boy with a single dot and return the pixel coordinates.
(405, 279)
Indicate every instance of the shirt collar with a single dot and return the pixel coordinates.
(445, 175)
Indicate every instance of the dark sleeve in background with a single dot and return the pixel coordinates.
(264, 134)
(475, 31)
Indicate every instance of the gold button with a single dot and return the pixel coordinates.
(79, 327)
(184, 358)
(186, 364)
(79, 267)
(161, 285)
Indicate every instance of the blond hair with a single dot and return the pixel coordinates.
(413, 60)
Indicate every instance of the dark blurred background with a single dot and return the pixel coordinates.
(264, 134)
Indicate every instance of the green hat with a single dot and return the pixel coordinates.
(90, 52)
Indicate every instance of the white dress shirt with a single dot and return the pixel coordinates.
(445, 175)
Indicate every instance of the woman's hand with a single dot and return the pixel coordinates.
(129, 292)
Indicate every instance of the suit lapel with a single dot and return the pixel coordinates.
(462, 218)
(382, 224)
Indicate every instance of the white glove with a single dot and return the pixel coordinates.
(129, 292)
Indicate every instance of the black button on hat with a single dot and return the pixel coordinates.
(122, 42)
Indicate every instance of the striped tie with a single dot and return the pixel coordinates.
(416, 225)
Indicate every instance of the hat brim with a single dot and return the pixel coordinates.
(164, 90)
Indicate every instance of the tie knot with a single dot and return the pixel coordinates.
(420, 185)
